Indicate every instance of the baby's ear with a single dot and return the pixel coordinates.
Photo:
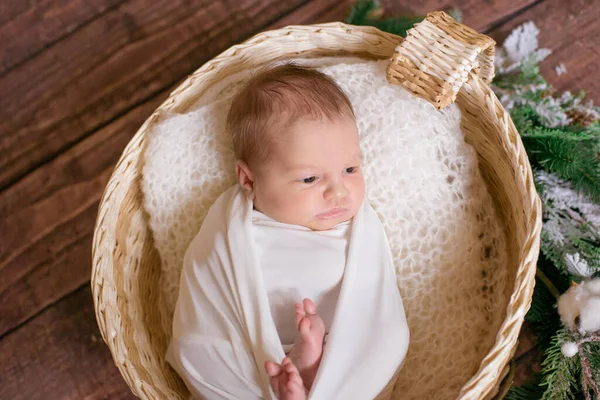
(245, 178)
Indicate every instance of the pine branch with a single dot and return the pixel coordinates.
(570, 150)
(548, 284)
(530, 391)
(593, 350)
(528, 75)
(590, 386)
(569, 153)
(369, 12)
(560, 374)
(571, 158)
(582, 138)
(362, 11)
(590, 249)
(569, 238)
(526, 392)
(557, 255)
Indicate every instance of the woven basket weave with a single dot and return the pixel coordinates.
(441, 61)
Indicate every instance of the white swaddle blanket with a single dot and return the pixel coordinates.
(297, 263)
(223, 331)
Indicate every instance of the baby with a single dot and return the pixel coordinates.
(297, 144)
(294, 237)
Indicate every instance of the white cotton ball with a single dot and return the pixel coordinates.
(593, 287)
(590, 316)
(569, 305)
(581, 302)
(569, 349)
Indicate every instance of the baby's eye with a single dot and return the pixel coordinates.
(350, 170)
(310, 180)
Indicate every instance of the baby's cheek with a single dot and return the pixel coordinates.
(303, 204)
(358, 186)
(291, 203)
(358, 194)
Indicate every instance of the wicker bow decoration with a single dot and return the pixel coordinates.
(435, 59)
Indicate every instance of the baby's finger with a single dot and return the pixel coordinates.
(287, 363)
(309, 306)
(273, 369)
(300, 313)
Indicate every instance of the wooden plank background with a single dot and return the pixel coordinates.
(78, 77)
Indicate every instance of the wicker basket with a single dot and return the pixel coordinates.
(440, 60)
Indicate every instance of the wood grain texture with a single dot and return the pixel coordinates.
(42, 25)
(60, 355)
(111, 65)
(315, 12)
(12, 9)
(527, 366)
(571, 30)
(47, 221)
(527, 340)
(477, 14)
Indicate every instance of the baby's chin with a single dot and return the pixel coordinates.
(325, 225)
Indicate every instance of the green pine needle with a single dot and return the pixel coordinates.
(571, 157)
(590, 250)
(530, 391)
(593, 354)
(362, 10)
(367, 12)
(571, 153)
(528, 74)
(524, 117)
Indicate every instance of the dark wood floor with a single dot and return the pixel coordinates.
(78, 77)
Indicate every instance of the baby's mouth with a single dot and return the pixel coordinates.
(332, 213)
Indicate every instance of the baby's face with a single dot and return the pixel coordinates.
(313, 176)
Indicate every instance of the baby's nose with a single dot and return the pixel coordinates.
(336, 190)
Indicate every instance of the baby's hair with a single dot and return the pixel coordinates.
(276, 97)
